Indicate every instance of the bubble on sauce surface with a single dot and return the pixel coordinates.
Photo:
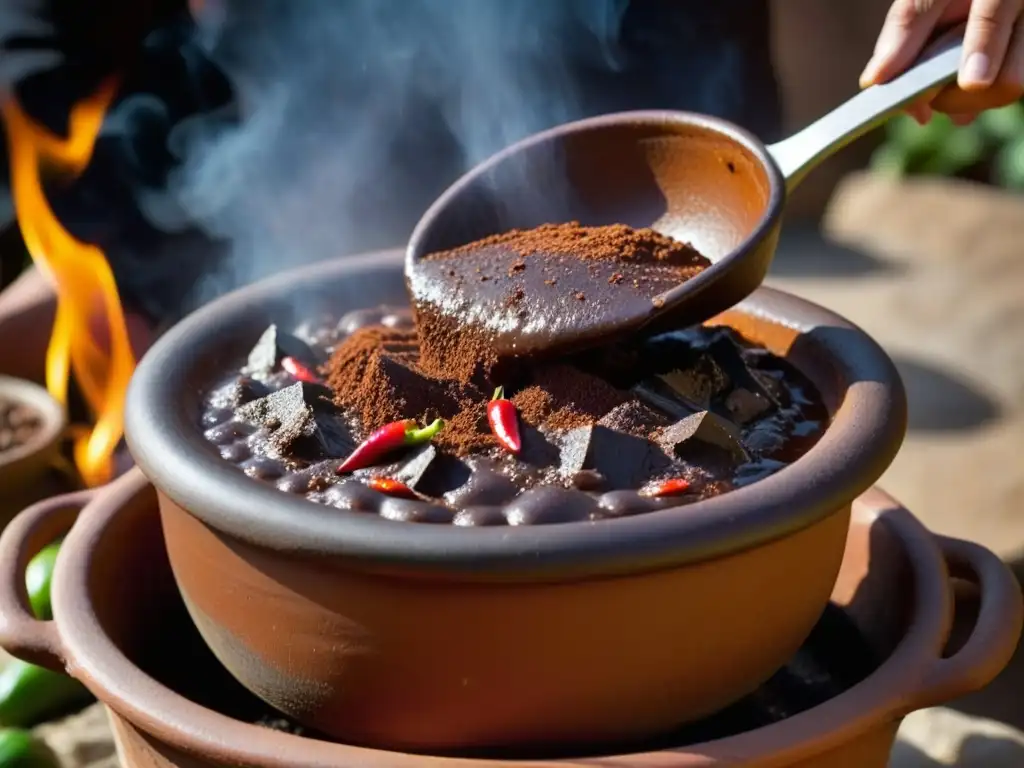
(544, 506)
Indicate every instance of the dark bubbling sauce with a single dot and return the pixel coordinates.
(771, 411)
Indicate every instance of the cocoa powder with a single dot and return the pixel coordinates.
(616, 242)
(377, 374)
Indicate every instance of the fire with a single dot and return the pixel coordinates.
(82, 279)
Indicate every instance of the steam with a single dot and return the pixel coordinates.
(355, 114)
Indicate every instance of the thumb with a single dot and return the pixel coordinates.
(907, 28)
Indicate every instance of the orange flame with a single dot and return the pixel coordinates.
(82, 278)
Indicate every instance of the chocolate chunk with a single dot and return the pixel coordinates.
(699, 383)
(623, 460)
(728, 355)
(412, 470)
(659, 395)
(273, 345)
(299, 420)
(634, 418)
(238, 392)
(744, 406)
(706, 428)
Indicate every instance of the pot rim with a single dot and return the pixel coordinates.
(860, 443)
(897, 686)
(50, 411)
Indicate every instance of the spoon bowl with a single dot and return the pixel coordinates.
(695, 178)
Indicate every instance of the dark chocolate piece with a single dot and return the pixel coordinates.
(273, 345)
(623, 460)
(698, 384)
(745, 406)
(299, 420)
(635, 418)
(728, 355)
(704, 427)
(412, 470)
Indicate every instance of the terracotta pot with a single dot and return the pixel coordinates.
(26, 471)
(432, 637)
(113, 587)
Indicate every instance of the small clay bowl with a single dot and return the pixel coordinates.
(435, 637)
(25, 467)
(113, 593)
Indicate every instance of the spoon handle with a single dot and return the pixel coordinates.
(802, 151)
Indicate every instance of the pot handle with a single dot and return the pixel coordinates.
(996, 631)
(21, 633)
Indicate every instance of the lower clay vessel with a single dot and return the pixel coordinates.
(120, 627)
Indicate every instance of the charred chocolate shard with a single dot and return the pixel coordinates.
(707, 428)
(657, 394)
(274, 344)
(744, 406)
(624, 461)
(298, 420)
(698, 384)
(239, 392)
(634, 418)
(729, 357)
(412, 470)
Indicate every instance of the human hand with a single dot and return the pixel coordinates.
(992, 71)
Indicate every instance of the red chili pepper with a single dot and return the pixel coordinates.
(504, 421)
(388, 438)
(298, 371)
(672, 487)
(392, 487)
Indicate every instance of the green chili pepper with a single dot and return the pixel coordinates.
(31, 694)
(38, 576)
(20, 749)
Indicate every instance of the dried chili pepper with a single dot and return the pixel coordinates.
(297, 370)
(392, 487)
(390, 437)
(672, 487)
(504, 421)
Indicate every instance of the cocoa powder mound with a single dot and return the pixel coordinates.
(450, 352)
(373, 372)
(377, 375)
(563, 397)
(612, 242)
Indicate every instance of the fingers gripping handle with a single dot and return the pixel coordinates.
(21, 633)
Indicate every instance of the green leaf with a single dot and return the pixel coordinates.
(919, 139)
(1005, 124)
(961, 149)
(890, 159)
(1009, 165)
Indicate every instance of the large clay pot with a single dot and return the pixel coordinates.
(433, 637)
(113, 593)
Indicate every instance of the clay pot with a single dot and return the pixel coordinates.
(435, 637)
(113, 593)
(26, 471)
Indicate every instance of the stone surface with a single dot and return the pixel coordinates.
(934, 270)
(943, 737)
